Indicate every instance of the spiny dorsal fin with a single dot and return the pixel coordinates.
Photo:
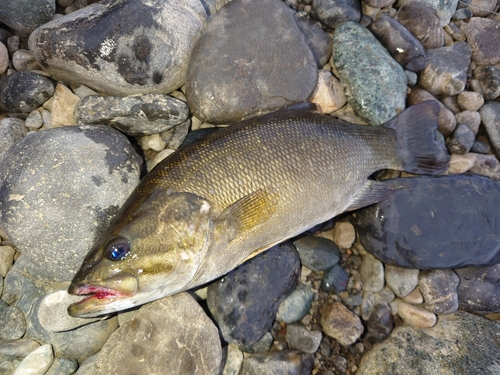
(372, 192)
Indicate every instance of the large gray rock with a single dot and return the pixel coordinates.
(169, 336)
(122, 47)
(479, 289)
(25, 16)
(252, 58)
(59, 189)
(459, 344)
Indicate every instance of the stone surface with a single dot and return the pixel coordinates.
(245, 301)
(341, 323)
(37, 362)
(11, 131)
(63, 366)
(446, 71)
(12, 323)
(296, 305)
(24, 59)
(490, 116)
(63, 106)
(333, 13)
(415, 297)
(489, 81)
(317, 253)
(34, 120)
(300, 338)
(483, 36)
(461, 140)
(470, 118)
(380, 323)
(444, 9)
(343, 234)
(374, 82)
(24, 91)
(237, 71)
(434, 233)
(146, 54)
(416, 316)
(402, 281)
(134, 115)
(25, 16)
(478, 291)
(233, 360)
(460, 344)
(285, 362)
(371, 272)
(470, 100)
(263, 345)
(439, 289)
(335, 278)
(329, 94)
(6, 259)
(486, 165)
(81, 195)
(318, 40)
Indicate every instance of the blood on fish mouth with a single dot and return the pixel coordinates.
(98, 292)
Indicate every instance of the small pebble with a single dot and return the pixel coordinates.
(335, 278)
(152, 142)
(300, 338)
(34, 120)
(63, 106)
(233, 361)
(367, 305)
(381, 322)
(63, 366)
(12, 323)
(24, 59)
(461, 140)
(13, 44)
(343, 234)
(470, 118)
(415, 297)
(439, 289)
(263, 345)
(461, 163)
(341, 323)
(386, 295)
(372, 273)
(6, 259)
(296, 305)
(317, 253)
(46, 118)
(480, 147)
(470, 100)
(416, 316)
(329, 93)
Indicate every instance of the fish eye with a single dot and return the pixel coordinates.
(117, 249)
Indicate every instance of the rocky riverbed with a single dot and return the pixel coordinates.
(93, 94)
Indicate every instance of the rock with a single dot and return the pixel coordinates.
(380, 323)
(334, 13)
(461, 140)
(371, 272)
(385, 296)
(24, 91)
(403, 46)
(188, 339)
(88, 367)
(233, 361)
(11, 130)
(415, 297)
(439, 289)
(296, 305)
(263, 345)
(490, 116)
(37, 362)
(446, 71)
(245, 301)
(285, 362)
(63, 366)
(481, 8)
(489, 81)
(416, 316)
(6, 259)
(462, 14)
(478, 291)
(367, 304)
(12, 323)
(422, 21)
(152, 142)
(318, 41)
(375, 84)
(238, 71)
(196, 135)
(402, 281)
(460, 343)
(43, 167)
(471, 119)
(335, 278)
(377, 4)
(434, 234)
(23, 59)
(329, 94)
(34, 120)
(483, 36)
(63, 106)
(317, 253)
(4, 58)
(461, 163)
(470, 100)
(17, 348)
(147, 54)
(134, 115)
(174, 137)
(487, 165)
(300, 338)
(25, 16)
(341, 323)
(444, 9)
(343, 234)
(480, 147)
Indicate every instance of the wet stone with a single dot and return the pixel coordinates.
(300, 338)
(439, 289)
(490, 116)
(402, 281)
(317, 253)
(134, 115)
(434, 233)
(335, 278)
(461, 140)
(285, 362)
(341, 323)
(483, 36)
(245, 301)
(489, 80)
(372, 273)
(333, 13)
(296, 305)
(381, 323)
(479, 289)
(12, 323)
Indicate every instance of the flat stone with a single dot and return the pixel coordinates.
(317, 253)
(24, 91)
(434, 233)
(329, 94)
(37, 362)
(63, 366)
(341, 323)
(461, 163)
(439, 289)
(375, 83)
(459, 343)
(478, 291)
(18, 348)
(173, 330)
(334, 13)
(300, 338)
(402, 281)
(371, 271)
(296, 305)
(483, 36)
(416, 316)
(285, 362)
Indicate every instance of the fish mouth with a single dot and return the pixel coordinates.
(103, 296)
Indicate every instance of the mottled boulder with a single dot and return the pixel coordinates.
(479, 289)
(375, 83)
(252, 58)
(442, 222)
(245, 301)
(170, 336)
(25, 16)
(122, 47)
(59, 189)
(459, 344)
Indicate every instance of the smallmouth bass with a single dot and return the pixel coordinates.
(219, 201)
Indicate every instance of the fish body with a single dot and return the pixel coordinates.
(213, 204)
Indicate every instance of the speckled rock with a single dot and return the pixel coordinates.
(489, 81)
(341, 323)
(84, 193)
(300, 338)
(333, 13)
(439, 289)
(483, 36)
(444, 9)
(12, 323)
(375, 83)
(317, 253)
(146, 54)
(460, 343)
(296, 305)
(415, 316)
(25, 16)
(11, 130)
(134, 115)
(478, 291)
(285, 362)
(237, 71)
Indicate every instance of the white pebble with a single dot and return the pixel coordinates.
(329, 93)
(415, 297)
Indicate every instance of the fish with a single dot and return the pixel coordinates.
(212, 205)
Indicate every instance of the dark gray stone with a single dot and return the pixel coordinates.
(252, 58)
(483, 36)
(317, 253)
(374, 82)
(459, 344)
(479, 289)
(480, 147)
(263, 345)
(12, 323)
(300, 338)
(63, 366)
(439, 289)
(462, 14)
(318, 41)
(335, 278)
(133, 115)
(175, 136)
(59, 189)
(442, 222)
(296, 305)
(11, 131)
(380, 323)
(24, 91)
(245, 301)
(25, 16)
(490, 117)
(489, 80)
(401, 44)
(122, 47)
(461, 140)
(333, 13)
(285, 362)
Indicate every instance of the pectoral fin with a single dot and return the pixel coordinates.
(372, 192)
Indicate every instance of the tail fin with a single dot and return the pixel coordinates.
(420, 146)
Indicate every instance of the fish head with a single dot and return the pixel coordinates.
(142, 257)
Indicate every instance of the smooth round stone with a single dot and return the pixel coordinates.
(335, 278)
(439, 289)
(470, 100)
(470, 118)
(11, 130)
(341, 323)
(478, 291)
(375, 83)
(333, 13)
(12, 323)
(371, 272)
(489, 81)
(63, 366)
(402, 281)
(34, 120)
(461, 140)
(290, 362)
(296, 305)
(24, 59)
(343, 234)
(4, 58)
(317, 253)
(300, 338)
(24, 91)
(480, 147)
(233, 360)
(416, 316)
(490, 116)
(381, 323)
(25, 16)
(483, 36)
(37, 362)
(329, 93)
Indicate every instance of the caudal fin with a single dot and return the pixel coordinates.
(420, 145)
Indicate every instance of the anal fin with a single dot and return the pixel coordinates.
(372, 192)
